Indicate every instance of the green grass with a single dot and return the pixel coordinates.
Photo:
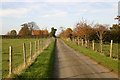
(103, 60)
(42, 67)
(17, 56)
(106, 49)
(0, 59)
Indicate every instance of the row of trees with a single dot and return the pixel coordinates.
(25, 30)
(31, 28)
(92, 32)
(97, 32)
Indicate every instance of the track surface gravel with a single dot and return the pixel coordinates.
(72, 64)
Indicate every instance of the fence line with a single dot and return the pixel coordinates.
(92, 45)
(27, 62)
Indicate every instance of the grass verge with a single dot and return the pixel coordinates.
(42, 67)
(105, 61)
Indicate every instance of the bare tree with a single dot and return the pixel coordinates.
(101, 31)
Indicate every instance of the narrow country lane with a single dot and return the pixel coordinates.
(72, 64)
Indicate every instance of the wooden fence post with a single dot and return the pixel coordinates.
(82, 42)
(35, 46)
(78, 41)
(41, 44)
(93, 45)
(46, 42)
(38, 45)
(111, 48)
(74, 40)
(24, 53)
(30, 50)
(10, 60)
(86, 43)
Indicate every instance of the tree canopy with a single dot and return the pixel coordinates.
(98, 32)
(66, 33)
(53, 31)
(25, 31)
(13, 33)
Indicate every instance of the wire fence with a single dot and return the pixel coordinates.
(18, 54)
(108, 49)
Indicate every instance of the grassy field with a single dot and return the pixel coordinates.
(0, 59)
(42, 67)
(17, 56)
(103, 60)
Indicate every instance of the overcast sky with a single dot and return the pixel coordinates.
(48, 13)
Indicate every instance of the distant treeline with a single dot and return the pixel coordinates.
(22, 37)
(90, 31)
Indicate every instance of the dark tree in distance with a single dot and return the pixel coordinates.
(114, 32)
(13, 33)
(53, 31)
